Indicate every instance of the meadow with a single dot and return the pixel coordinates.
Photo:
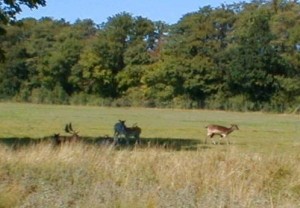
(171, 168)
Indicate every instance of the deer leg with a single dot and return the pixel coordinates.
(127, 139)
(211, 138)
(116, 138)
(224, 136)
(220, 139)
(228, 141)
(205, 142)
(138, 140)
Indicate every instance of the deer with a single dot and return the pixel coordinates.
(58, 139)
(121, 129)
(213, 130)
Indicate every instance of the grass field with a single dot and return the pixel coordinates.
(259, 169)
(258, 131)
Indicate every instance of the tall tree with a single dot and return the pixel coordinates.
(137, 54)
(8, 11)
(113, 40)
(253, 62)
(90, 75)
(192, 48)
(285, 25)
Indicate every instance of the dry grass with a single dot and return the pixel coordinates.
(82, 175)
(260, 169)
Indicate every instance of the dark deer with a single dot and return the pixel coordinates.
(213, 130)
(121, 129)
(58, 139)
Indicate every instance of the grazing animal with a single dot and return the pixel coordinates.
(121, 129)
(220, 130)
(58, 139)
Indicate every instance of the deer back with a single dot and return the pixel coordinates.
(217, 129)
(135, 130)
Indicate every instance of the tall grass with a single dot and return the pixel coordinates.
(260, 169)
(82, 175)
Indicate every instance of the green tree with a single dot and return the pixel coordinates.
(62, 56)
(55, 47)
(113, 40)
(13, 72)
(89, 75)
(8, 11)
(137, 55)
(119, 54)
(193, 47)
(285, 25)
(103, 58)
(42, 39)
(234, 53)
(161, 80)
(253, 63)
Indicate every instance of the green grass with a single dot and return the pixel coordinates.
(258, 131)
(260, 169)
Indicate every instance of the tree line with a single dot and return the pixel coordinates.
(242, 56)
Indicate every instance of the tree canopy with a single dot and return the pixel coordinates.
(244, 56)
(8, 11)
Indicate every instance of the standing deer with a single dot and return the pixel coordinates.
(219, 130)
(58, 139)
(121, 129)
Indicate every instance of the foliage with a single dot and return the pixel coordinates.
(8, 12)
(244, 55)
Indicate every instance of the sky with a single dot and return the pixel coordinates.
(168, 11)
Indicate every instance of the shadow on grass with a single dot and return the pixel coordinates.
(163, 143)
(15, 142)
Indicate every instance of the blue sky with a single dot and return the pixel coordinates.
(169, 11)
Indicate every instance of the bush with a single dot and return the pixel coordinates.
(79, 99)
(40, 95)
(183, 102)
(23, 96)
(43, 95)
(86, 99)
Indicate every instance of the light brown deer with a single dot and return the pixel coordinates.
(213, 130)
(58, 139)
